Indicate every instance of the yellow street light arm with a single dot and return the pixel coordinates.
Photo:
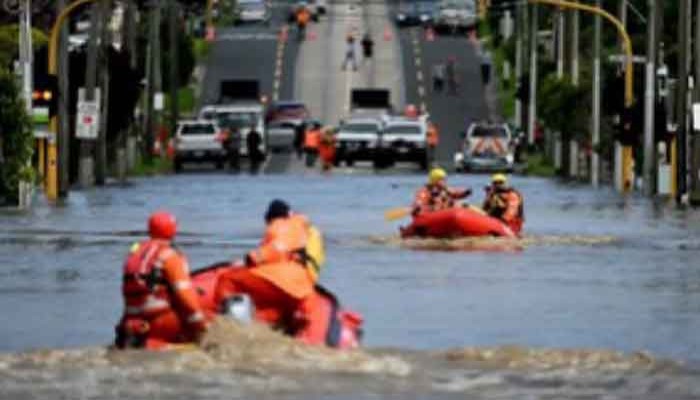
(55, 30)
(629, 72)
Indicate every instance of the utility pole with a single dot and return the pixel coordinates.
(532, 114)
(26, 53)
(64, 148)
(648, 165)
(575, 28)
(520, 29)
(682, 98)
(595, 131)
(147, 136)
(129, 45)
(174, 65)
(87, 164)
(157, 76)
(560, 19)
(105, 7)
(695, 175)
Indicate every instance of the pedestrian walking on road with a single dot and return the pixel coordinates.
(367, 46)
(255, 156)
(350, 53)
(451, 75)
(299, 132)
(438, 73)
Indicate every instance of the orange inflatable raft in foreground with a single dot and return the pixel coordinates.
(325, 322)
(456, 222)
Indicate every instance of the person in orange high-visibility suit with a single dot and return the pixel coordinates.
(326, 149)
(276, 278)
(432, 140)
(505, 203)
(436, 195)
(312, 142)
(160, 305)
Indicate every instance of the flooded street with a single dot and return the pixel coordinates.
(594, 271)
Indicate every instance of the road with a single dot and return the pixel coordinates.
(451, 113)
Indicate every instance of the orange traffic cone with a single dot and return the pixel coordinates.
(429, 34)
(387, 34)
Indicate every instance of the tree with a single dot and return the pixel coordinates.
(16, 138)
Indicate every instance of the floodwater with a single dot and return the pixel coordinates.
(601, 299)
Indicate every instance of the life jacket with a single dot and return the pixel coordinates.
(312, 139)
(145, 290)
(434, 198)
(506, 204)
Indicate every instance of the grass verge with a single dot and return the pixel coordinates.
(538, 165)
(158, 166)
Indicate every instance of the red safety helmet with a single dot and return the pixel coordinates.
(162, 225)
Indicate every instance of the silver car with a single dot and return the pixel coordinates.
(252, 11)
(486, 147)
(455, 15)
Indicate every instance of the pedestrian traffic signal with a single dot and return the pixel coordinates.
(45, 93)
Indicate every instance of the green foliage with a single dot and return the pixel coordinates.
(538, 165)
(17, 138)
(201, 49)
(157, 166)
(9, 42)
(564, 107)
(186, 57)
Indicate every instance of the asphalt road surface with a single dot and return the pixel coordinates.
(451, 113)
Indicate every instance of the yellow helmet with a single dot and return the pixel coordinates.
(436, 175)
(499, 178)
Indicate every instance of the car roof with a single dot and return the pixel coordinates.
(196, 122)
(242, 106)
(362, 121)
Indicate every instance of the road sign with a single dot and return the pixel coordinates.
(87, 120)
(40, 119)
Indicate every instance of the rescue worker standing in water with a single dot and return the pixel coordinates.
(278, 277)
(160, 304)
(436, 195)
(504, 202)
(312, 142)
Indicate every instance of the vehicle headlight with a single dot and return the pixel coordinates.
(424, 17)
(459, 158)
(401, 17)
(510, 158)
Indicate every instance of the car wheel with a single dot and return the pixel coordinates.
(177, 166)
(219, 164)
(349, 162)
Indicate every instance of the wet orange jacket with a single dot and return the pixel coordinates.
(506, 205)
(278, 258)
(160, 304)
(433, 135)
(312, 139)
(437, 197)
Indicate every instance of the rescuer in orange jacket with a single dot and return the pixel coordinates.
(160, 304)
(312, 142)
(326, 148)
(436, 195)
(504, 202)
(432, 140)
(277, 278)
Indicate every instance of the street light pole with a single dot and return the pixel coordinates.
(595, 136)
(682, 99)
(626, 170)
(532, 106)
(650, 102)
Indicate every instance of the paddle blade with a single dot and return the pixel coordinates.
(397, 213)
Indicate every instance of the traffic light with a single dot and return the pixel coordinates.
(45, 93)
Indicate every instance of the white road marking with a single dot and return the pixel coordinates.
(421, 91)
(419, 76)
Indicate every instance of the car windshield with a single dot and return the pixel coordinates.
(403, 130)
(253, 6)
(280, 125)
(237, 119)
(198, 129)
(360, 128)
(481, 131)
